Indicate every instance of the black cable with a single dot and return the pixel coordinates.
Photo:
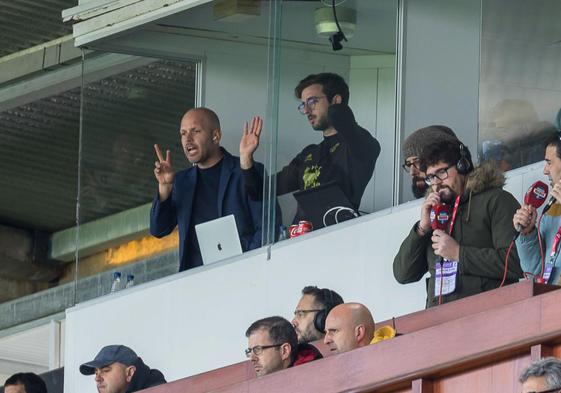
(339, 36)
(337, 21)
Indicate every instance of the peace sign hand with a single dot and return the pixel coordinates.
(164, 173)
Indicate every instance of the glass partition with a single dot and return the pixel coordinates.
(137, 89)
(241, 63)
(39, 141)
(129, 104)
(520, 83)
(335, 154)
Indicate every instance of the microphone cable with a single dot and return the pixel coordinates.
(512, 244)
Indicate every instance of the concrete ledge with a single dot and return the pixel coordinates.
(101, 234)
(58, 299)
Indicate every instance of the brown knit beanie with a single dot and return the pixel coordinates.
(416, 142)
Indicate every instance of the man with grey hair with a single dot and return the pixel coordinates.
(411, 152)
(542, 376)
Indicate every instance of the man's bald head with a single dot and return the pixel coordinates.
(348, 326)
(200, 137)
(210, 117)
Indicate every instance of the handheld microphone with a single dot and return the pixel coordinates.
(535, 196)
(439, 216)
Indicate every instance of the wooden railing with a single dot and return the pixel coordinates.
(477, 344)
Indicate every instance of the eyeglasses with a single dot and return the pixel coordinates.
(440, 174)
(301, 313)
(413, 163)
(258, 349)
(310, 103)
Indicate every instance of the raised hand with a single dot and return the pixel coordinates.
(250, 141)
(164, 173)
(424, 224)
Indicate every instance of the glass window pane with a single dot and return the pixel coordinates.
(129, 105)
(312, 153)
(520, 85)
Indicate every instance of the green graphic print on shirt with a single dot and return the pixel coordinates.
(311, 176)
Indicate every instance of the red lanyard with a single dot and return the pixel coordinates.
(555, 246)
(454, 212)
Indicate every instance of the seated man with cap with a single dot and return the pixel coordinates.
(118, 369)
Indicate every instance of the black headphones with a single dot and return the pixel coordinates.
(330, 299)
(464, 166)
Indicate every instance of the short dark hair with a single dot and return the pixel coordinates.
(554, 140)
(549, 368)
(32, 382)
(324, 297)
(331, 84)
(280, 331)
(447, 151)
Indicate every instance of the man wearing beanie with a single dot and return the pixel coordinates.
(412, 148)
(462, 238)
(118, 369)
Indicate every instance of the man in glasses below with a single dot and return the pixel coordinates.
(273, 346)
(412, 148)
(467, 255)
(346, 155)
(542, 376)
(311, 312)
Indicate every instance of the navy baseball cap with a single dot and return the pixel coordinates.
(109, 355)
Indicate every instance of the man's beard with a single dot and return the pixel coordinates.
(322, 124)
(307, 337)
(418, 191)
(447, 195)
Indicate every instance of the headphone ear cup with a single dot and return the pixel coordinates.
(319, 320)
(463, 166)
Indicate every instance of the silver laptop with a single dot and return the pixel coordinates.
(218, 239)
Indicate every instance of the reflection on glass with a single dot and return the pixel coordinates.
(345, 89)
(123, 116)
(519, 94)
(126, 109)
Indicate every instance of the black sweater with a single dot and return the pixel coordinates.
(348, 158)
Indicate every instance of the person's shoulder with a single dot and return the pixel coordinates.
(313, 147)
(498, 198)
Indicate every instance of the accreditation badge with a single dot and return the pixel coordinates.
(445, 277)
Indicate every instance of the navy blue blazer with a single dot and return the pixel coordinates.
(232, 199)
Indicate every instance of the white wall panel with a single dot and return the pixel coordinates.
(195, 321)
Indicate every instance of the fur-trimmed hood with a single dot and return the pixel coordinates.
(485, 177)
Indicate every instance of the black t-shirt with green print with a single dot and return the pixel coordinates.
(348, 158)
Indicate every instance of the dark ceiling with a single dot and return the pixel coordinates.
(124, 115)
(26, 23)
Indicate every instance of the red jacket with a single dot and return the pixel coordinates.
(306, 353)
